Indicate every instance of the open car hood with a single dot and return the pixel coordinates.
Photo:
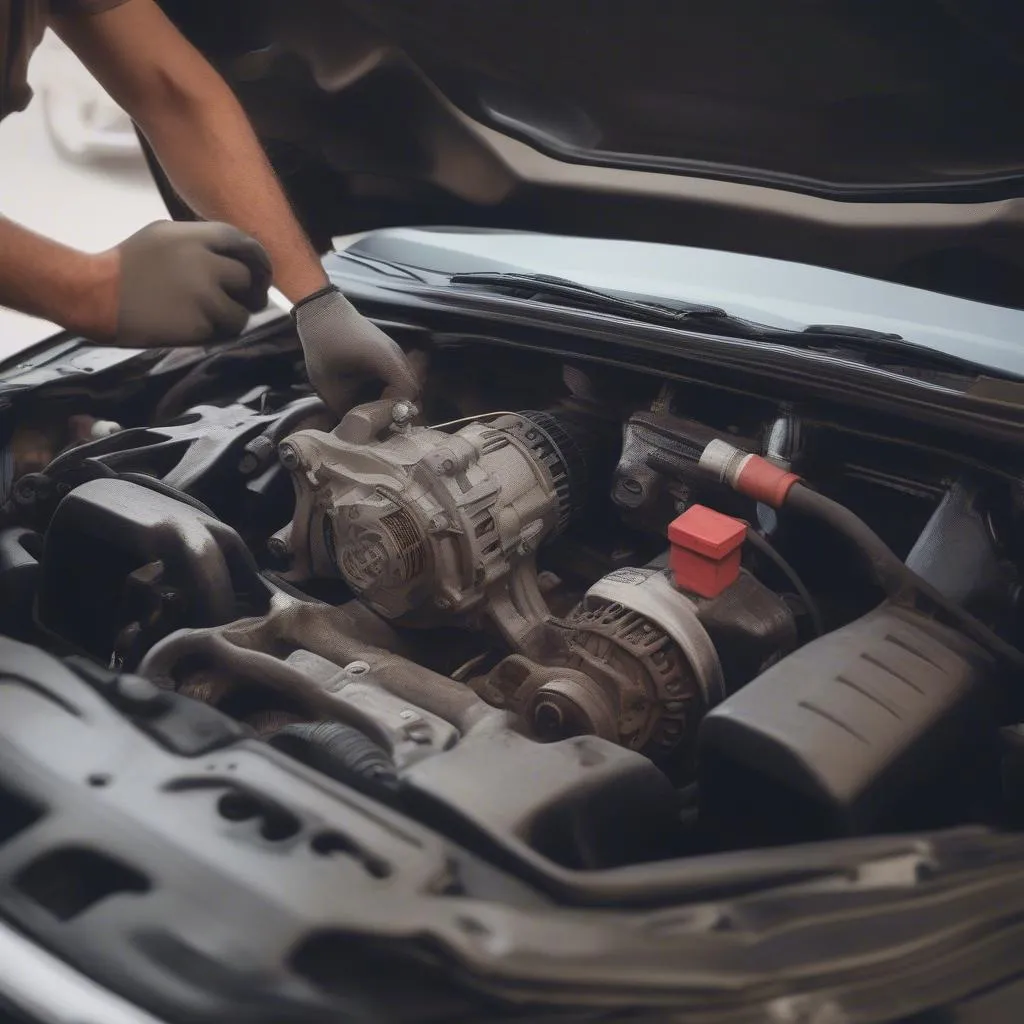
(853, 135)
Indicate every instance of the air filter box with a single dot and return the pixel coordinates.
(884, 723)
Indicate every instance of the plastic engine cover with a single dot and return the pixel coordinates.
(885, 715)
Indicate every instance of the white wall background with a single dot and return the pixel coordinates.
(88, 203)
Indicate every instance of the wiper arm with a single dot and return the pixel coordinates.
(835, 339)
(546, 288)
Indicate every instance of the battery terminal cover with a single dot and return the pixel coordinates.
(706, 550)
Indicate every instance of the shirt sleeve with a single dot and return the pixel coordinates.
(64, 7)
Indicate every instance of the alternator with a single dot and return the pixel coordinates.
(639, 669)
(426, 525)
(642, 641)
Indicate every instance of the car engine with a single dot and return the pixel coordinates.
(593, 617)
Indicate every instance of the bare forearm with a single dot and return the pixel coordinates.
(216, 164)
(198, 130)
(46, 279)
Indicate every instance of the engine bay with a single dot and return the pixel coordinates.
(588, 615)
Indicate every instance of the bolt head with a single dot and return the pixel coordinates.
(288, 455)
(403, 411)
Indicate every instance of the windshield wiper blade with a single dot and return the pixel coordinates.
(834, 339)
(544, 287)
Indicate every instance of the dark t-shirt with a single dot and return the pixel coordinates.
(22, 23)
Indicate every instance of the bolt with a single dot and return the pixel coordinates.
(25, 490)
(288, 455)
(258, 453)
(403, 411)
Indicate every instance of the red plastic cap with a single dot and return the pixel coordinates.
(705, 555)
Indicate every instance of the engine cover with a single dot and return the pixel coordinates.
(423, 523)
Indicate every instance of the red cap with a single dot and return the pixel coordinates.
(705, 556)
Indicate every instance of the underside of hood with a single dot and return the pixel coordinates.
(868, 136)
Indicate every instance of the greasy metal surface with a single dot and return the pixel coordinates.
(252, 652)
(230, 904)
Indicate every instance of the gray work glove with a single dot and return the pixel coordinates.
(188, 284)
(344, 351)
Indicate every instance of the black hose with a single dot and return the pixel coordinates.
(338, 750)
(886, 567)
(770, 552)
(891, 574)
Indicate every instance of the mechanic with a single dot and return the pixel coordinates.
(181, 283)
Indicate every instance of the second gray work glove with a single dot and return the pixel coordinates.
(188, 284)
(344, 351)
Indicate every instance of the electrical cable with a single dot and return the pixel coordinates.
(766, 548)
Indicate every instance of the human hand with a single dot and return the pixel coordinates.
(344, 351)
(174, 284)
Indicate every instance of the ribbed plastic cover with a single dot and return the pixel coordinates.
(847, 727)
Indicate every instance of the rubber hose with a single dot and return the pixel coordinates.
(337, 750)
(889, 571)
(769, 551)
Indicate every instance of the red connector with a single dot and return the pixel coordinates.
(749, 474)
(705, 555)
